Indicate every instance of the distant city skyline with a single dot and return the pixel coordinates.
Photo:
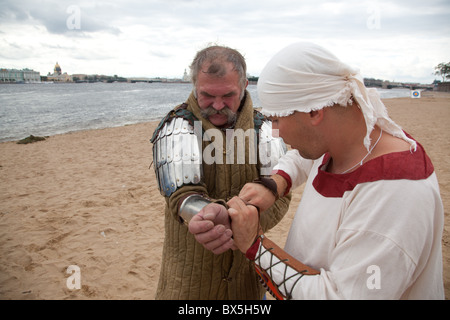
(182, 76)
(393, 40)
(31, 76)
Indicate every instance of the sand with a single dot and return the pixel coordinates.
(89, 199)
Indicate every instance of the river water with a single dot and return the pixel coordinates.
(47, 109)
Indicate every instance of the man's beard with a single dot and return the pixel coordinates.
(231, 116)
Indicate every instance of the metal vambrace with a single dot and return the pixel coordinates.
(278, 271)
(190, 206)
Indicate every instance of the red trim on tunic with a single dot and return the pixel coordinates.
(253, 250)
(287, 178)
(393, 166)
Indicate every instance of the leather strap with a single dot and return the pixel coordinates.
(269, 184)
(263, 246)
(287, 258)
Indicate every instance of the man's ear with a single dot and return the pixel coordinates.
(316, 117)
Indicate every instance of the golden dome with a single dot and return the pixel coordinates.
(57, 68)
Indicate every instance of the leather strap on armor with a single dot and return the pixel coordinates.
(267, 256)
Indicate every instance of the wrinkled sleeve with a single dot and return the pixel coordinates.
(382, 246)
(295, 166)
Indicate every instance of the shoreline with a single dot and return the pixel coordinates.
(89, 198)
(6, 140)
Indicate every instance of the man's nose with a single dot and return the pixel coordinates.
(218, 103)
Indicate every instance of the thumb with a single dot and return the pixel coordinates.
(232, 212)
(209, 213)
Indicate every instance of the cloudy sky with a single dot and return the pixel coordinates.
(397, 40)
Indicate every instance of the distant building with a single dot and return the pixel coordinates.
(80, 77)
(186, 77)
(443, 87)
(19, 76)
(372, 83)
(58, 76)
(57, 69)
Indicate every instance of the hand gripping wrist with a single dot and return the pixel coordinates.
(269, 184)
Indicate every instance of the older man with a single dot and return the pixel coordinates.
(200, 165)
(370, 221)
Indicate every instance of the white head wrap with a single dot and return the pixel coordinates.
(305, 77)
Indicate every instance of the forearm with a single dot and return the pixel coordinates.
(267, 193)
(283, 181)
(207, 220)
(294, 168)
(279, 272)
(191, 205)
(185, 201)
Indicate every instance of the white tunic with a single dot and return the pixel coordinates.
(374, 233)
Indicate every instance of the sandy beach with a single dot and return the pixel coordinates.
(89, 199)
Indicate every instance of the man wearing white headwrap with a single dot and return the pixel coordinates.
(370, 221)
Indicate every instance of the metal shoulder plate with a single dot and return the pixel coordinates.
(176, 156)
(271, 148)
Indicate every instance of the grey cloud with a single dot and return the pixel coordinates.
(10, 10)
(302, 19)
(53, 15)
(168, 29)
(56, 20)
